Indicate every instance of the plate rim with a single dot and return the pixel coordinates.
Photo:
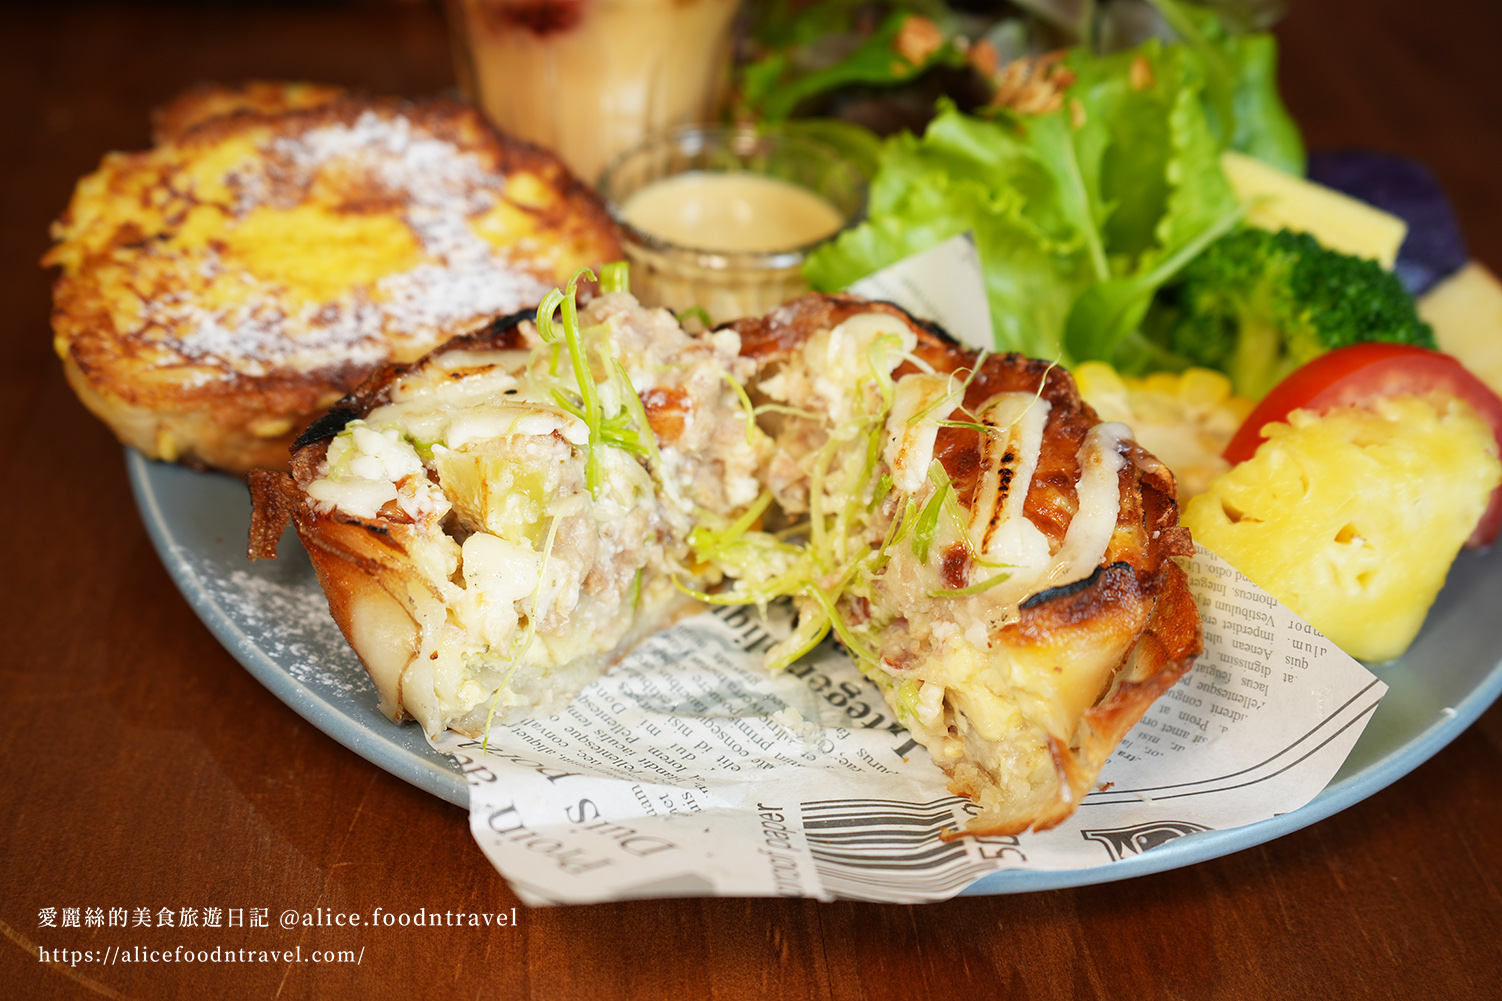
(427, 769)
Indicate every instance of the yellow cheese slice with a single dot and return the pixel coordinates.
(1465, 311)
(1278, 200)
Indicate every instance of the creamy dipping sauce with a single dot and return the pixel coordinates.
(731, 211)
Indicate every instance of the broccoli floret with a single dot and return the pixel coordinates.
(1258, 304)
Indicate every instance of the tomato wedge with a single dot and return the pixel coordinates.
(1352, 375)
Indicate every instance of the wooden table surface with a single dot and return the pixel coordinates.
(143, 768)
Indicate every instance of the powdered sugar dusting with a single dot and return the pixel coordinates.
(435, 187)
(291, 624)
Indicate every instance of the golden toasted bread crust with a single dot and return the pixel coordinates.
(283, 241)
(207, 100)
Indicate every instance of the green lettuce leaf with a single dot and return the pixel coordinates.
(1264, 128)
(971, 175)
(1108, 194)
(775, 85)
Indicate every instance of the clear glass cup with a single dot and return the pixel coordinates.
(726, 284)
(590, 78)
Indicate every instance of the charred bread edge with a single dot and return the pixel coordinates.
(274, 495)
(351, 406)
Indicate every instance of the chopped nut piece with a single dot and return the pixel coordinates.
(917, 39)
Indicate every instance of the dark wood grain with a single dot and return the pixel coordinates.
(143, 768)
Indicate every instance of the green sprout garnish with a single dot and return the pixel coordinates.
(588, 410)
(965, 592)
(643, 440)
(847, 636)
(628, 428)
(927, 525)
(695, 313)
(615, 277)
(907, 699)
(783, 408)
(750, 411)
(424, 449)
(827, 562)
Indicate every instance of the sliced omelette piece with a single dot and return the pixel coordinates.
(280, 243)
(996, 559)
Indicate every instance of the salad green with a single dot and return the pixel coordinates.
(1086, 196)
(776, 84)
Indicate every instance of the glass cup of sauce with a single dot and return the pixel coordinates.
(590, 78)
(721, 218)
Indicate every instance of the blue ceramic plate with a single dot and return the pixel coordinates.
(272, 616)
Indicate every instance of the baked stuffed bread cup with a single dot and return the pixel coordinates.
(281, 242)
(497, 522)
(996, 559)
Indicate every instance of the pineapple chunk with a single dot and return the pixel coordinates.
(1338, 221)
(1465, 311)
(1352, 518)
(1185, 420)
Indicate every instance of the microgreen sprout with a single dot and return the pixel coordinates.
(852, 643)
(950, 500)
(627, 428)
(645, 440)
(615, 277)
(424, 449)
(881, 367)
(965, 592)
(750, 411)
(907, 699)
(826, 562)
(927, 525)
(695, 313)
(950, 392)
(783, 408)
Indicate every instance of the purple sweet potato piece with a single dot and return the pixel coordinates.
(1435, 246)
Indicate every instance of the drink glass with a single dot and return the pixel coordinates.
(590, 78)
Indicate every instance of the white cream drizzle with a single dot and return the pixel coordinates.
(910, 443)
(1007, 536)
(1090, 530)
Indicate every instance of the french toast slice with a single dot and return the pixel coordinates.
(995, 558)
(497, 522)
(280, 243)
